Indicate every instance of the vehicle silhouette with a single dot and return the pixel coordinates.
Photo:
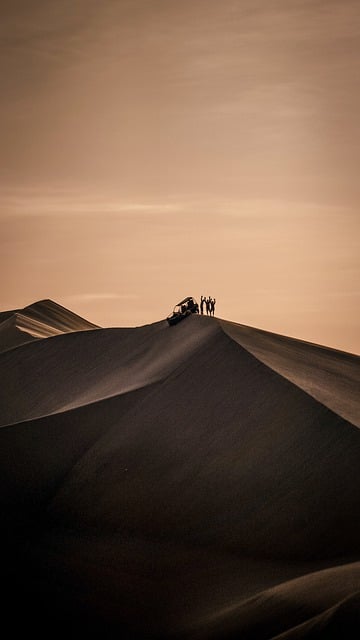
(183, 309)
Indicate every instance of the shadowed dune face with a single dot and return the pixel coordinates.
(330, 376)
(224, 452)
(172, 481)
(10, 334)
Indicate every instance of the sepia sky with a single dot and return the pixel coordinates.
(153, 149)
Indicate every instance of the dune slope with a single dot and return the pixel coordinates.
(329, 375)
(320, 604)
(83, 367)
(10, 334)
(176, 482)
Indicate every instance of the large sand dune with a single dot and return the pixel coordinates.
(196, 481)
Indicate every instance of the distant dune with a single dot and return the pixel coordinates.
(195, 481)
(40, 320)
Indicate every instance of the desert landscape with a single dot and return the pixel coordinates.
(192, 481)
(187, 472)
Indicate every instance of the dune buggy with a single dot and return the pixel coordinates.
(183, 309)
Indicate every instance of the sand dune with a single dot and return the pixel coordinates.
(39, 320)
(197, 481)
(291, 610)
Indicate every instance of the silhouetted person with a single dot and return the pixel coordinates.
(207, 302)
(213, 302)
(202, 302)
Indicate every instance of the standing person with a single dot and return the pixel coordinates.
(213, 306)
(211, 302)
(207, 302)
(202, 301)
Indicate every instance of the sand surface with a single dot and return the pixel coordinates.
(196, 481)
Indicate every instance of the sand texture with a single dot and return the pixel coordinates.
(196, 481)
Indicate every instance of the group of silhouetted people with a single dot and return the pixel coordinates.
(207, 305)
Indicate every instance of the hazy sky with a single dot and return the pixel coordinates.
(153, 149)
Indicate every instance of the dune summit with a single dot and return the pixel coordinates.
(195, 481)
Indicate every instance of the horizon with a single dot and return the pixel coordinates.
(154, 150)
(215, 317)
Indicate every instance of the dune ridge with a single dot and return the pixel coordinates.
(197, 481)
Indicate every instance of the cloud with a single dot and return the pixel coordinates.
(47, 201)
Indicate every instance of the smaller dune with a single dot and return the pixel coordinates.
(42, 319)
(323, 604)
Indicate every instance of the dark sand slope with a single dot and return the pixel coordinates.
(170, 482)
(39, 320)
(291, 610)
(329, 375)
(10, 334)
(72, 370)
